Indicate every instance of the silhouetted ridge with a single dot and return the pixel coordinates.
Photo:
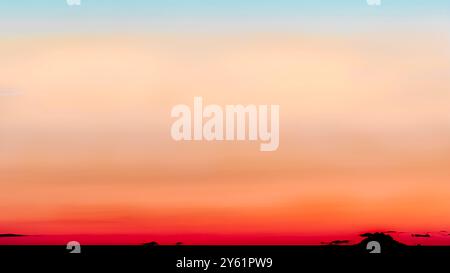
(11, 235)
(421, 235)
(387, 243)
(151, 244)
(339, 242)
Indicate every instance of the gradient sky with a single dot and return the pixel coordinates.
(211, 16)
(85, 100)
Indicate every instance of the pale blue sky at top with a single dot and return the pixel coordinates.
(55, 16)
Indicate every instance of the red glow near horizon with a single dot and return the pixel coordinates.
(435, 239)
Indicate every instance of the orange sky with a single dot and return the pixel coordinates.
(85, 144)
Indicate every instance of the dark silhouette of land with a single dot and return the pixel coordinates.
(421, 235)
(339, 242)
(151, 244)
(11, 235)
(337, 254)
(389, 246)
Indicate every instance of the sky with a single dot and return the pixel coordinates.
(212, 16)
(85, 100)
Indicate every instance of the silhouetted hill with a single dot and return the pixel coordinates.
(151, 244)
(387, 243)
(11, 235)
